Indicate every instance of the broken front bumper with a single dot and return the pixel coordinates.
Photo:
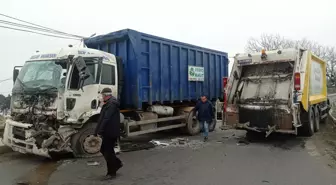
(267, 131)
(17, 136)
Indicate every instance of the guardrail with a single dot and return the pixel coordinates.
(332, 102)
(332, 99)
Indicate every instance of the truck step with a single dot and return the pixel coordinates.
(324, 116)
(324, 108)
(297, 125)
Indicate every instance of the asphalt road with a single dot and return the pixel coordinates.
(225, 159)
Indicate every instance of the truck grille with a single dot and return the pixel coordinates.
(19, 133)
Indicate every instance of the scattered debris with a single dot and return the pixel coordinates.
(158, 143)
(93, 163)
(23, 183)
(179, 141)
(243, 142)
(131, 146)
(182, 141)
(64, 163)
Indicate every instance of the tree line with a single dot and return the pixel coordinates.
(4, 102)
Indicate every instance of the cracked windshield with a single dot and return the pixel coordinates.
(40, 74)
(172, 93)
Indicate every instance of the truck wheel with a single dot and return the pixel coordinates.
(317, 119)
(212, 125)
(84, 143)
(193, 126)
(308, 122)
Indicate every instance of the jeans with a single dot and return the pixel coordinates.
(204, 128)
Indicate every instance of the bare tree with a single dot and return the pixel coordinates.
(268, 42)
(275, 41)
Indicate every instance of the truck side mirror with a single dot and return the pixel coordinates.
(16, 72)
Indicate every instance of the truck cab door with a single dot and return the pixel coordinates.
(82, 95)
(109, 77)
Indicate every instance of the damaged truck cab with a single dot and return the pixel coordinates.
(54, 95)
(276, 91)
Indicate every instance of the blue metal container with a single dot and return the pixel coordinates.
(156, 69)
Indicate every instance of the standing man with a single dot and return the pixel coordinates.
(204, 115)
(108, 129)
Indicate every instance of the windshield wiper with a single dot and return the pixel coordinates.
(47, 88)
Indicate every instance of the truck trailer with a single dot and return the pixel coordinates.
(276, 91)
(55, 98)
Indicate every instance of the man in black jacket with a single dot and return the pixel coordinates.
(205, 115)
(108, 129)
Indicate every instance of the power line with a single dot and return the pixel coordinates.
(32, 28)
(40, 26)
(39, 33)
(5, 79)
(5, 92)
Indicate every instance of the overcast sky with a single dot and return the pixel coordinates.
(222, 25)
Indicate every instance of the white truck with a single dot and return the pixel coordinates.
(55, 97)
(276, 91)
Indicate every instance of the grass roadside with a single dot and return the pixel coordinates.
(3, 149)
(325, 139)
(2, 123)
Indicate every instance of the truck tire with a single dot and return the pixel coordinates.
(317, 119)
(308, 122)
(193, 126)
(84, 143)
(212, 125)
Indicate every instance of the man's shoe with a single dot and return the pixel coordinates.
(205, 139)
(109, 177)
(119, 166)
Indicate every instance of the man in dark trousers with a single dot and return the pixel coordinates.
(205, 114)
(108, 129)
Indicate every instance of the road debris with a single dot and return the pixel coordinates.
(158, 143)
(130, 146)
(179, 141)
(243, 142)
(23, 183)
(93, 163)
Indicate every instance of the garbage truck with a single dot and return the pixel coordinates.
(281, 91)
(55, 98)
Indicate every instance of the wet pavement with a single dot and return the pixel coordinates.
(227, 158)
